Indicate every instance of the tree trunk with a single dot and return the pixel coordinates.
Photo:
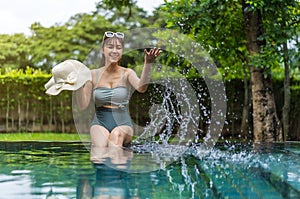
(62, 116)
(266, 125)
(246, 107)
(7, 111)
(27, 115)
(287, 94)
(33, 119)
(42, 121)
(19, 116)
(50, 115)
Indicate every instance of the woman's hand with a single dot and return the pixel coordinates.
(151, 55)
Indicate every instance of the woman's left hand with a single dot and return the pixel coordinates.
(151, 55)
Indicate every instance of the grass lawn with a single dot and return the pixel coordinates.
(66, 137)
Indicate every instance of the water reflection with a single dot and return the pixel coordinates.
(68, 170)
(110, 179)
(109, 183)
(116, 157)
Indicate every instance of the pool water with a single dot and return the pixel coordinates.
(64, 170)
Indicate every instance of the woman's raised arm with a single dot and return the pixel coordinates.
(141, 84)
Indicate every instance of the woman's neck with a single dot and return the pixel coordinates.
(111, 66)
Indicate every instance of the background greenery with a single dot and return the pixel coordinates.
(26, 60)
(26, 108)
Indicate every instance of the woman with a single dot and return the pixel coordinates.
(110, 91)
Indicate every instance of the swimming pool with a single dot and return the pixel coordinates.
(64, 170)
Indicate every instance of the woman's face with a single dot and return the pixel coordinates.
(112, 50)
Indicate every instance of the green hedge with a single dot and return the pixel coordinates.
(26, 108)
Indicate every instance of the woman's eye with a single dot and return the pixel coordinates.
(111, 47)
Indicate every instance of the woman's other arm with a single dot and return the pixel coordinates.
(83, 95)
(141, 84)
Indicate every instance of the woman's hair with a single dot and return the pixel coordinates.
(105, 41)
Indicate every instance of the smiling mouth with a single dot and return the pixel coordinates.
(114, 55)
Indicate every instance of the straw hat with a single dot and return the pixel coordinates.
(68, 75)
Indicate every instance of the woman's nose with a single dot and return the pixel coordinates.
(115, 49)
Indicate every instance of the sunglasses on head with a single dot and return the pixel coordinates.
(112, 34)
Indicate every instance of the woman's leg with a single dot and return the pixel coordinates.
(119, 157)
(99, 136)
(99, 154)
(121, 135)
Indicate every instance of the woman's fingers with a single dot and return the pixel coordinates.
(152, 54)
(153, 51)
(157, 52)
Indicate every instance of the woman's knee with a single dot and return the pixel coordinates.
(99, 136)
(122, 131)
(115, 134)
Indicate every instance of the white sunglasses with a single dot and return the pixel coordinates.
(112, 34)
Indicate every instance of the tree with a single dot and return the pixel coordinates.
(128, 17)
(266, 123)
(282, 27)
(78, 38)
(72, 40)
(81, 36)
(14, 51)
(218, 28)
(227, 29)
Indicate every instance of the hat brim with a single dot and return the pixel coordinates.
(54, 91)
(84, 75)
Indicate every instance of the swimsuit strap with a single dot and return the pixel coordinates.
(123, 74)
(98, 78)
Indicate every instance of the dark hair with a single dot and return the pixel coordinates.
(106, 40)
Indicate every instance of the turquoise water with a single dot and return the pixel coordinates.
(64, 170)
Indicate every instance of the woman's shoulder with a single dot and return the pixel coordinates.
(96, 70)
(95, 73)
(127, 70)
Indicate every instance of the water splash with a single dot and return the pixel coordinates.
(175, 118)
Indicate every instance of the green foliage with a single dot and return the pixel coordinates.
(14, 51)
(119, 4)
(24, 101)
(281, 25)
(218, 27)
(124, 14)
(74, 39)
(22, 87)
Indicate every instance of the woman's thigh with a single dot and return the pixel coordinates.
(99, 136)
